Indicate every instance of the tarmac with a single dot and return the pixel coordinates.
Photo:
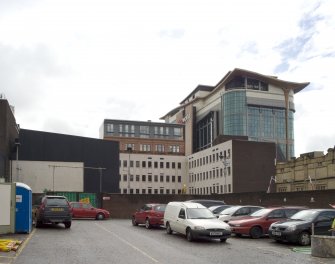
(10, 256)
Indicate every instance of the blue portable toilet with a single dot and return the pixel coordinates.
(23, 215)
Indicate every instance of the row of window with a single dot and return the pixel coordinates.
(148, 148)
(215, 173)
(152, 191)
(130, 130)
(150, 164)
(245, 82)
(150, 178)
(211, 189)
(215, 157)
(318, 187)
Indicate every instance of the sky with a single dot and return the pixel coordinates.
(66, 65)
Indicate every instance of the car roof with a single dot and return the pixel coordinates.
(55, 196)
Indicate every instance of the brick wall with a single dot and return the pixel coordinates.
(122, 205)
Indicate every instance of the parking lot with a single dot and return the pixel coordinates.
(117, 241)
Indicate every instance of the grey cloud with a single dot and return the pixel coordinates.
(22, 71)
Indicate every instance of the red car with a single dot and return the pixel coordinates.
(150, 215)
(257, 224)
(86, 210)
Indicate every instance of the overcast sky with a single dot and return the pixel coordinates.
(66, 65)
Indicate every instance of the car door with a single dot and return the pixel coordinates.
(323, 223)
(141, 215)
(180, 221)
(76, 210)
(88, 210)
(274, 216)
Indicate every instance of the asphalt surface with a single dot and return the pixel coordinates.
(117, 241)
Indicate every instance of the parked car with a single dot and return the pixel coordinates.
(207, 203)
(257, 224)
(53, 209)
(237, 211)
(150, 215)
(298, 228)
(86, 210)
(217, 209)
(195, 221)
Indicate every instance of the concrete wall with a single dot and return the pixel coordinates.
(48, 175)
(123, 205)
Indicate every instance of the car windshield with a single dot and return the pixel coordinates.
(199, 213)
(305, 215)
(160, 208)
(261, 212)
(56, 201)
(230, 210)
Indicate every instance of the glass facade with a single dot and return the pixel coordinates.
(205, 132)
(259, 123)
(234, 113)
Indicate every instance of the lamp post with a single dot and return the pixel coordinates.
(17, 145)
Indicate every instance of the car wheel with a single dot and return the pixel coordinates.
(133, 221)
(304, 238)
(256, 232)
(100, 216)
(67, 224)
(223, 239)
(147, 223)
(168, 229)
(189, 235)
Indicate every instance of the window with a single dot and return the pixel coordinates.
(176, 131)
(137, 163)
(137, 191)
(143, 164)
(161, 178)
(137, 178)
(144, 131)
(173, 165)
(179, 178)
(155, 191)
(149, 164)
(149, 191)
(124, 190)
(167, 178)
(173, 178)
(145, 147)
(110, 128)
(179, 165)
(161, 165)
(143, 178)
(125, 163)
(155, 164)
(131, 178)
(174, 148)
(125, 177)
(167, 165)
(156, 178)
(160, 148)
(143, 191)
(149, 178)
(129, 146)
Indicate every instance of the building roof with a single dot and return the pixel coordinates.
(295, 86)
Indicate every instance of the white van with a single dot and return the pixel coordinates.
(195, 221)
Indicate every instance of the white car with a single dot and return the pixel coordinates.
(237, 211)
(195, 221)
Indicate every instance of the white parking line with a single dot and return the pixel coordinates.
(128, 243)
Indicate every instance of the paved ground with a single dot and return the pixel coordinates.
(116, 241)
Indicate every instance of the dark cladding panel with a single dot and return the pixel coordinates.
(254, 164)
(94, 153)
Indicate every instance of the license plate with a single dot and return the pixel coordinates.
(215, 233)
(57, 209)
(276, 233)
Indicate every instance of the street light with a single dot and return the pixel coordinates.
(17, 145)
